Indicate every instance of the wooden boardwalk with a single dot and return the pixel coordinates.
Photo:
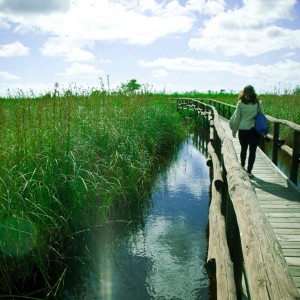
(279, 199)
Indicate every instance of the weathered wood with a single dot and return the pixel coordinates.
(268, 273)
(294, 126)
(265, 265)
(218, 257)
(288, 150)
(295, 157)
(211, 134)
(217, 174)
(217, 123)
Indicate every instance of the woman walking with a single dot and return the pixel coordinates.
(242, 121)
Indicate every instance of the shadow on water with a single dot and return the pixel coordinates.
(159, 256)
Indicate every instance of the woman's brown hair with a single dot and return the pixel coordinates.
(248, 95)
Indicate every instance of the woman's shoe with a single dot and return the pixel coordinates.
(250, 175)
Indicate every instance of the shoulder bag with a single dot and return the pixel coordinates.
(261, 124)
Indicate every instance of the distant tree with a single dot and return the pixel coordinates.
(297, 90)
(131, 86)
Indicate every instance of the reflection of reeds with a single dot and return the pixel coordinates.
(67, 159)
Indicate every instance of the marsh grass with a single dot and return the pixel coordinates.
(69, 160)
(65, 162)
(282, 106)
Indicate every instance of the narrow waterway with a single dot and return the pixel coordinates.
(160, 257)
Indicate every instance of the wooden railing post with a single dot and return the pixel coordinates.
(223, 110)
(228, 112)
(295, 157)
(275, 143)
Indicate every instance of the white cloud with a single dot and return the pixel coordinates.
(109, 21)
(13, 49)
(188, 64)
(7, 76)
(104, 61)
(149, 6)
(282, 70)
(71, 50)
(160, 73)
(82, 70)
(73, 31)
(249, 30)
(270, 10)
(210, 7)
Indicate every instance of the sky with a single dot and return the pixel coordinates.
(166, 45)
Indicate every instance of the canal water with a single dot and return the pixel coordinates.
(159, 256)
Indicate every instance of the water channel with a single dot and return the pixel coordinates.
(162, 256)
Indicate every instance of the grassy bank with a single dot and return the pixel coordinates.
(65, 162)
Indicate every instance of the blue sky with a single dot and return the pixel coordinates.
(169, 45)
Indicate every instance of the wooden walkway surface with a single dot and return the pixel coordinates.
(280, 201)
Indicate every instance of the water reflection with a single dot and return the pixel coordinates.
(161, 258)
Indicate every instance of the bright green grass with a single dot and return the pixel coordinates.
(285, 106)
(65, 163)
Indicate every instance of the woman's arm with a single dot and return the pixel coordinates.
(235, 120)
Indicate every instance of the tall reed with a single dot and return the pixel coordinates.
(65, 162)
(282, 106)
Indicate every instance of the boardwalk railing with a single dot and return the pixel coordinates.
(244, 254)
(226, 111)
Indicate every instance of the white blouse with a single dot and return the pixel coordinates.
(244, 116)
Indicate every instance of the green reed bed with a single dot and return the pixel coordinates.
(65, 162)
(285, 106)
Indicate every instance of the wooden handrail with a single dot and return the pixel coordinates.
(294, 153)
(219, 262)
(292, 125)
(265, 268)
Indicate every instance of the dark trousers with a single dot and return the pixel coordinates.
(248, 139)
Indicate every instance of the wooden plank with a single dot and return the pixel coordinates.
(295, 252)
(277, 203)
(258, 242)
(291, 225)
(290, 245)
(282, 210)
(282, 214)
(280, 204)
(283, 193)
(297, 280)
(286, 231)
(293, 261)
(270, 199)
(288, 238)
(294, 270)
(279, 220)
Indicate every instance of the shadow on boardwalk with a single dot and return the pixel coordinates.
(277, 189)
